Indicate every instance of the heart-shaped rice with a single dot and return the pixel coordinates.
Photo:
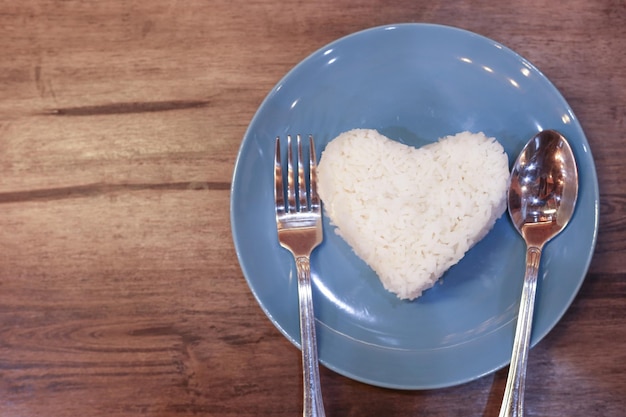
(412, 213)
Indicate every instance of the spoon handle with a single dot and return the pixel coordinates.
(513, 402)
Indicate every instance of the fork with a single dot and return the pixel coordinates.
(299, 224)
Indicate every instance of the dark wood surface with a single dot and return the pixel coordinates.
(120, 291)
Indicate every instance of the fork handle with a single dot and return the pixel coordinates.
(313, 404)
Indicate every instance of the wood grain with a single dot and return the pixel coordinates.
(120, 290)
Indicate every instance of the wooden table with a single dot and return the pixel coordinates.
(120, 122)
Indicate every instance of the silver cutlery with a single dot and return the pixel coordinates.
(299, 224)
(542, 197)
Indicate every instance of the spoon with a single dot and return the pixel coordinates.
(541, 199)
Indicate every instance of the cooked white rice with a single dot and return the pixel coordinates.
(412, 213)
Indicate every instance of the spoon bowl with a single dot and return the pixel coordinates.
(541, 200)
(543, 187)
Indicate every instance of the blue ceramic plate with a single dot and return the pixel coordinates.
(414, 83)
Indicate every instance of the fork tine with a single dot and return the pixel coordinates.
(291, 180)
(279, 191)
(302, 190)
(315, 199)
